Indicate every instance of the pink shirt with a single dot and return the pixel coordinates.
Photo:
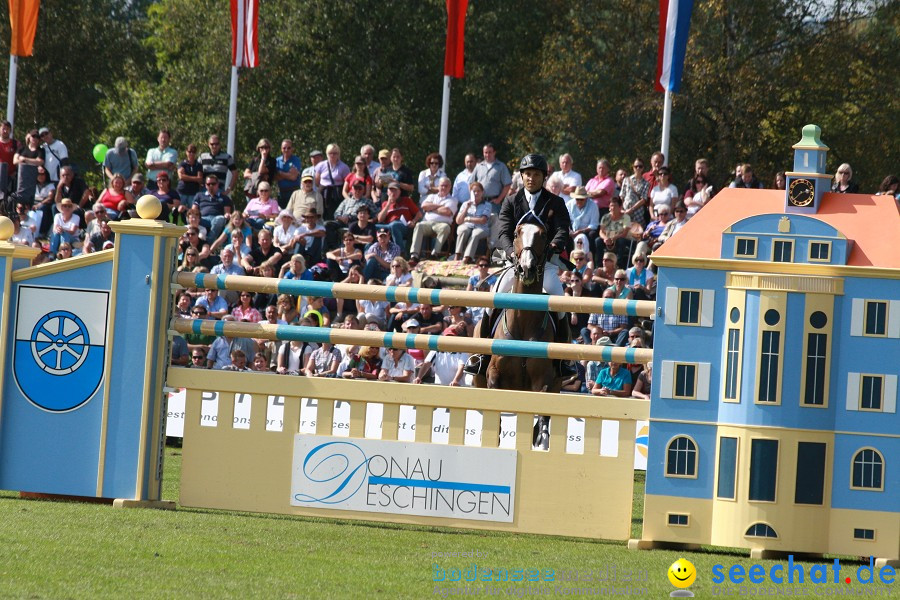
(608, 185)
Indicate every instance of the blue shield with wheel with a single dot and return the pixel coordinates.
(60, 349)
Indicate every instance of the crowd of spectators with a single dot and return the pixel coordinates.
(370, 221)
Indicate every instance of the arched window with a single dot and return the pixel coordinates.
(761, 530)
(868, 470)
(681, 457)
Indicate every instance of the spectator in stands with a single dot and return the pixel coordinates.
(465, 177)
(347, 211)
(263, 208)
(431, 175)
(292, 357)
(285, 232)
(380, 177)
(430, 320)
(620, 287)
(358, 174)
(240, 245)
(643, 384)
(399, 275)
(228, 266)
(21, 235)
(98, 240)
(890, 186)
(215, 305)
(162, 159)
(315, 157)
(120, 160)
(701, 168)
(481, 276)
(367, 151)
(214, 207)
(190, 177)
(674, 225)
(399, 214)
(657, 160)
(340, 260)
(344, 307)
(288, 167)
(260, 363)
(65, 251)
(495, 177)
(218, 163)
(640, 279)
(245, 311)
(262, 168)
(439, 210)
(397, 173)
(613, 381)
(191, 239)
(65, 226)
(585, 217)
(310, 237)
(373, 313)
(220, 351)
(27, 159)
(296, 269)
(602, 187)
(236, 222)
(571, 179)
(842, 183)
(330, 176)
(473, 224)
(636, 194)
(264, 254)
(697, 195)
(363, 229)
(168, 198)
(44, 188)
(779, 183)
(194, 220)
(199, 341)
(364, 365)
(305, 198)
(287, 309)
(654, 229)
(397, 365)
(190, 261)
(73, 187)
(198, 358)
(615, 327)
(583, 271)
(746, 179)
(614, 228)
(664, 193)
(605, 274)
(323, 361)
(8, 147)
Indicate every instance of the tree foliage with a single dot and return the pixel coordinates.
(541, 75)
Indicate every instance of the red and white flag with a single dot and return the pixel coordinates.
(245, 33)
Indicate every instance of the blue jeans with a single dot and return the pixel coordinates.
(215, 225)
(398, 232)
(57, 238)
(373, 269)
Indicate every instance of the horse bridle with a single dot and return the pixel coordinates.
(541, 262)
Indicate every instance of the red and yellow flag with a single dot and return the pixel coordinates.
(23, 19)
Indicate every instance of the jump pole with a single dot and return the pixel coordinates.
(537, 302)
(442, 343)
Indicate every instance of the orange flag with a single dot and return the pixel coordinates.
(23, 18)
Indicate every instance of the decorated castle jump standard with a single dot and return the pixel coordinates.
(773, 420)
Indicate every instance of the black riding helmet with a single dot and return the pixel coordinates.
(534, 161)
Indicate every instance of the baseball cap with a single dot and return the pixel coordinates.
(384, 153)
(43, 130)
(315, 153)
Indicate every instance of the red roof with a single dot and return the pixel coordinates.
(871, 222)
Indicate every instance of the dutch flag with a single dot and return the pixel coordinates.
(674, 23)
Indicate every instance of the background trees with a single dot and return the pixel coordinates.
(545, 75)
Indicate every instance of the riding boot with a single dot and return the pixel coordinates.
(477, 364)
(565, 368)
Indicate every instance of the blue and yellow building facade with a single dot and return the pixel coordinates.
(773, 421)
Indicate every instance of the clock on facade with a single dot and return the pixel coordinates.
(801, 192)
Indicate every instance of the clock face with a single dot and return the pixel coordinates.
(802, 192)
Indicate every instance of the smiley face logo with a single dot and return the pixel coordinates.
(682, 573)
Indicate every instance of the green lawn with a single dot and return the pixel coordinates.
(65, 550)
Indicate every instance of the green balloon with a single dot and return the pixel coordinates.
(99, 152)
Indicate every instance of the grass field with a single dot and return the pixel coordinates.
(61, 550)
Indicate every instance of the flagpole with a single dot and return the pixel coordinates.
(445, 118)
(232, 115)
(666, 125)
(11, 94)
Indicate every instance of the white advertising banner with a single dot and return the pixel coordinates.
(404, 478)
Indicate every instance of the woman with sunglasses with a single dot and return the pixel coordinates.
(636, 193)
(698, 195)
(842, 181)
(244, 311)
(664, 193)
(44, 188)
(430, 176)
(359, 173)
(262, 168)
(340, 260)
(640, 278)
(261, 209)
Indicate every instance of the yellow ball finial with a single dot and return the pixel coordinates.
(7, 229)
(148, 206)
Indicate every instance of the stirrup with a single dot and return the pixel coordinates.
(477, 364)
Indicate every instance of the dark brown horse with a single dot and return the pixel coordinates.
(514, 372)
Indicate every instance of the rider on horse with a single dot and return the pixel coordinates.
(532, 204)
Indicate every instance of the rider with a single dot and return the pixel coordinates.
(532, 204)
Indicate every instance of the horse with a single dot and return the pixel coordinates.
(519, 373)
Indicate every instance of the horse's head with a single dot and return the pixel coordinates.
(531, 252)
